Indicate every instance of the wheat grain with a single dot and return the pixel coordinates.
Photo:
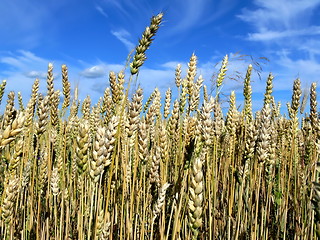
(295, 101)
(110, 139)
(2, 87)
(264, 135)
(205, 123)
(154, 174)
(85, 108)
(232, 115)
(65, 86)
(222, 71)
(55, 182)
(143, 140)
(313, 108)
(106, 102)
(144, 43)
(43, 112)
(191, 73)
(167, 104)
(160, 201)
(9, 111)
(82, 140)
(10, 196)
(178, 75)
(98, 154)
(269, 87)
(50, 87)
(195, 97)
(247, 91)
(20, 101)
(135, 108)
(196, 195)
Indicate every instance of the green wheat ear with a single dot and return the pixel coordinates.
(247, 92)
(222, 71)
(144, 43)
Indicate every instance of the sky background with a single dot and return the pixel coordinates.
(95, 37)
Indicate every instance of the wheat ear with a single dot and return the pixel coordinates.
(195, 202)
(144, 43)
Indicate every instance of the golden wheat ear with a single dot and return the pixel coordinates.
(195, 203)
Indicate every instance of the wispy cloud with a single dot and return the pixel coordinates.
(311, 46)
(290, 34)
(183, 15)
(124, 36)
(20, 69)
(18, 19)
(118, 4)
(22, 60)
(277, 19)
(303, 68)
(101, 11)
(189, 13)
(26, 24)
(274, 35)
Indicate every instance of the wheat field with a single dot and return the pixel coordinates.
(129, 167)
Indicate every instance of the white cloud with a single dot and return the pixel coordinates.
(101, 11)
(305, 68)
(291, 34)
(22, 60)
(123, 36)
(100, 70)
(273, 35)
(21, 68)
(94, 72)
(311, 46)
(171, 65)
(287, 14)
(275, 19)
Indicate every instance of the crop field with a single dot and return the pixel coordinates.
(151, 167)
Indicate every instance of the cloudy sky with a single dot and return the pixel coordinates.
(95, 37)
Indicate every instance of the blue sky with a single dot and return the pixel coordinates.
(94, 37)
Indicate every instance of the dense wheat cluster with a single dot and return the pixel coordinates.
(129, 167)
